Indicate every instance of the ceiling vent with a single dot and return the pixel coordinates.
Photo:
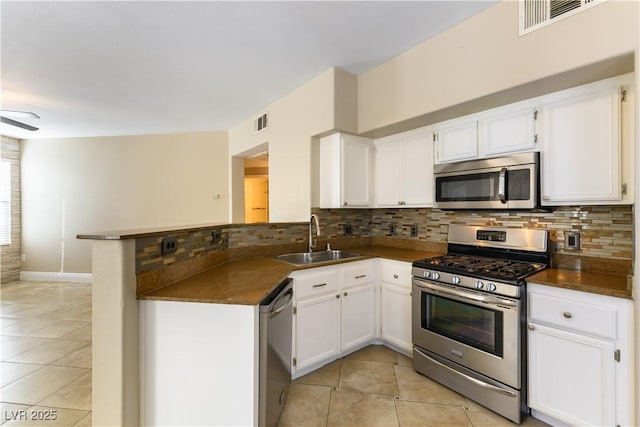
(260, 123)
(535, 14)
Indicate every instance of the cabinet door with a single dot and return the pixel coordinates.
(395, 315)
(358, 316)
(581, 149)
(317, 329)
(457, 141)
(356, 164)
(508, 131)
(571, 376)
(389, 170)
(417, 170)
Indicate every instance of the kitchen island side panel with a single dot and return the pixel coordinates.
(115, 334)
(198, 363)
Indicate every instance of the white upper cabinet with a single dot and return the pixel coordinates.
(509, 129)
(456, 140)
(582, 155)
(490, 133)
(345, 171)
(404, 170)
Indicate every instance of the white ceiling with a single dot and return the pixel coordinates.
(128, 68)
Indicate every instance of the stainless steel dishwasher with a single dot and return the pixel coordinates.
(276, 312)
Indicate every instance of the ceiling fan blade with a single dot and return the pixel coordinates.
(20, 114)
(17, 124)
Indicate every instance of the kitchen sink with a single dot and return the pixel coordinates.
(306, 258)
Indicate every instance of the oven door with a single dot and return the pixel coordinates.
(477, 330)
(511, 187)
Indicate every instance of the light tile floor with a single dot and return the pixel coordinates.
(378, 387)
(45, 370)
(45, 349)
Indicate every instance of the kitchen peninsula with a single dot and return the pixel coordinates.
(230, 268)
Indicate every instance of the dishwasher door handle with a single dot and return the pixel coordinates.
(281, 303)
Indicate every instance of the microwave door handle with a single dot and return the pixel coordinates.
(502, 193)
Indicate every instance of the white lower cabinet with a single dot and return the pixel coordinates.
(358, 316)
(335, 313)
(395, 304)
(317, 329)
(580, 357)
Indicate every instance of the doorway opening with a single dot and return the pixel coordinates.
(256, 188)
(250, 185)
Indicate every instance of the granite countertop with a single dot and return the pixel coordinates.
(615, 285)
(247, 282)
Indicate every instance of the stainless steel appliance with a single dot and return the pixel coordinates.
(510, 182)
(276, 312)
(469, 312)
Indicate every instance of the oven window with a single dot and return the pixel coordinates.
(479, 327)
(477, 187)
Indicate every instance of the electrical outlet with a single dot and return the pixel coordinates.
(393, 229)
(216, 237)
(169, 245)
(23, 257)
(572, 240)
(348, 230)
(414, 230)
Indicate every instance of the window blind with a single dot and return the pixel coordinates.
(5, 202)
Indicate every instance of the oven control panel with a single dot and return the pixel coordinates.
(494, 287)
(491, 235)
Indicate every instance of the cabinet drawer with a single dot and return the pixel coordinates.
(356, 273)
(315, 283)
(396, 272)
(588, 318)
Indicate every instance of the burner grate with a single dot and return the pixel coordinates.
(491, 267)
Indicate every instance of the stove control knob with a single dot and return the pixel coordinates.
(455, 280)
(479, 285)
(435, 275)
(426, 274)
(491, 287)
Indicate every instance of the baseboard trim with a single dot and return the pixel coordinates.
(50, 276)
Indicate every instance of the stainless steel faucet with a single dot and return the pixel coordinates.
(312, 242)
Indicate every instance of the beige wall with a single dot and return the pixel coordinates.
(294, 119)
(484, 56)
(79, 185)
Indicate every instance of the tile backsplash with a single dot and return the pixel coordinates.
(606, 231)
(198, 243)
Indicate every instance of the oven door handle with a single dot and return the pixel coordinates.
(468, 378)
(488, 299)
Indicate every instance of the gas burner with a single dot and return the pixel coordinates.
(481, 267)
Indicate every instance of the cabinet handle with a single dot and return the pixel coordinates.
(531, 327)
(567, 315)
(344, 204)
(319, 285)
(338, 296)
(345, 294)
(395, 276)
(361, 276)
(546, 198)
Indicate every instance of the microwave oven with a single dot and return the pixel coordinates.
(509, 182)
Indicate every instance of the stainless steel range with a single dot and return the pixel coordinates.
(469, 312)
